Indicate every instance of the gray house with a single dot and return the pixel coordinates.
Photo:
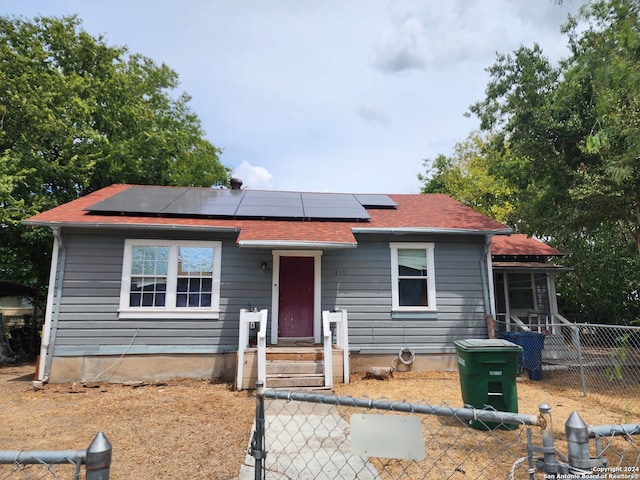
(294, 288)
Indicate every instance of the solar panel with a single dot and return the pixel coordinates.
(185, 201)
(375, 200)
(333, 205)
(137, 199)
(256, 203)
(206, 202)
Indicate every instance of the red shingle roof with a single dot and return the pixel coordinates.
(520, 244)
(423, 212)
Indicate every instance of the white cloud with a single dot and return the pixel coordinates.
(254, 177)
(404, 50)
(374, 115)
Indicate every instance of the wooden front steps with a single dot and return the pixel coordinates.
(293, 367)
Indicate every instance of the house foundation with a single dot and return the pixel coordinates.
(140, 368)
(219, 367)
(422, 362)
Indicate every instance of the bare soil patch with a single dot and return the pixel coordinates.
(198, 430)
(171, 430)
(437, 388)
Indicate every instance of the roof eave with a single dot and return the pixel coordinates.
(294, 244)
(131, 226)
(428, 230)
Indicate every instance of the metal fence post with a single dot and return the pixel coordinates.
(576, 342)
(548, 448)
(98, 459)
(257, 442)
(578, 444)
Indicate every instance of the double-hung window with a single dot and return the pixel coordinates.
(170, 279)
(413, 285)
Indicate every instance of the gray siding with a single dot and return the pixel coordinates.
(358, 280)
(88, 319)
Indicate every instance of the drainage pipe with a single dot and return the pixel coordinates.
(486, 269)
(52, 314)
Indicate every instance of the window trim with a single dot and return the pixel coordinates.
(127, 312)
(431, 278)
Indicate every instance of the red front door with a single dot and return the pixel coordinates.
(295, 311)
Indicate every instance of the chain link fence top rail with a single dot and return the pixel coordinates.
(615, 444)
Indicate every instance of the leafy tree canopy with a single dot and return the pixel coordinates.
(577, 125)
(76, 115)
(466, 176)
(561, 143)
(602, 286)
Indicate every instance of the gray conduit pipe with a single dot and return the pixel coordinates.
(58, 262)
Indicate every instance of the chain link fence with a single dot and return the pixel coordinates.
(59, 464)
(598, 361)
(314, 436)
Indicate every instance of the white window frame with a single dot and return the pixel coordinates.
(428, 247)
(169, 311)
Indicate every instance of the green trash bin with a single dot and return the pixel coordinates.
(488, 370)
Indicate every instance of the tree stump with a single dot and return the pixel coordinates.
(379, 373)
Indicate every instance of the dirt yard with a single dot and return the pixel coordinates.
(198, 430)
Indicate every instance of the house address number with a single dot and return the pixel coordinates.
(338, 272)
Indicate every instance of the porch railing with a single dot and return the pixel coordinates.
(338, 317)
(536, 322)
(251, 320)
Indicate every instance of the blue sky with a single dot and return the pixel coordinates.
(325, 95)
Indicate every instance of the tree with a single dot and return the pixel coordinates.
(467, 177)
(564, 140)
(602, 286)
(570, 135)
(577, 126)
(76, 115)
(606, 60)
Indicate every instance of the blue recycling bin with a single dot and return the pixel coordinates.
(530, 359)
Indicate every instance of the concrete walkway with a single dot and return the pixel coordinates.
(307, 441)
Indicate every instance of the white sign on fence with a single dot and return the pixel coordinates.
(387, 436)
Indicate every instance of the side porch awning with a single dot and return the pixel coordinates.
(535, 267)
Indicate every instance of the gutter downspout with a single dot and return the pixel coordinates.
(489, 276)
(52, 314)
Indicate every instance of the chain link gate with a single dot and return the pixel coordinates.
(311, 436)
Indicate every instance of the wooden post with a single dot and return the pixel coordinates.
(491, 326)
